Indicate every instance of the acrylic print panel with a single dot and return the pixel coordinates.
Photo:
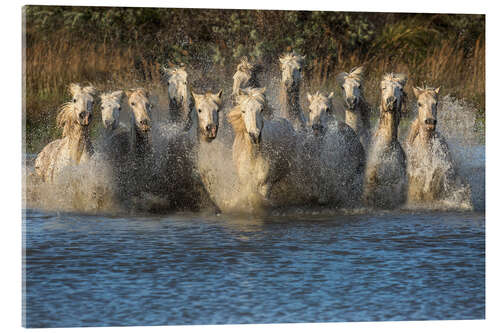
(196, 166)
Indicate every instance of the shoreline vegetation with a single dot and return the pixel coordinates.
(127, 47)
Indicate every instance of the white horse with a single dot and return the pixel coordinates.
(332, 159)
(291, 74)
(74, 147)
(385, 176)
(179, 103)
(432, 173)
(115, 142)
(262, 150)
(245, 77)
(140, 122)
(357, 111)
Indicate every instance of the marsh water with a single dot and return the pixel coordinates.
(84, 270)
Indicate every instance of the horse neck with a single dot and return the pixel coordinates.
(353, 119)
(290, 105)
(388, 125)
(179, 113)
(141, 142)
(79, 142)
(424, 137)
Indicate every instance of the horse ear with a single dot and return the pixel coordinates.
(358, 71)
(129, 92)
(436, 91)
(74, 88)
(261, 90)
(218, 97)
(117, 94)
(341, 78)
(195, 95)
(402, 78)
(90, 90)
(309, 97)
(417, 91)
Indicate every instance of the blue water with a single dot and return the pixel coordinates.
(85, 270)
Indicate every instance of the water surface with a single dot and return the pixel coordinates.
(83, 270)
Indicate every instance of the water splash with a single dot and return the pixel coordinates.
(186, 175)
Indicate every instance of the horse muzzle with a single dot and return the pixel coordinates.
(144, 125)
(351, 103)
(85, 118)
(255, 138)
(318, 129)
(430, 124)
(211, 132)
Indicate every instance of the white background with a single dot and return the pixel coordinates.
(10, 159)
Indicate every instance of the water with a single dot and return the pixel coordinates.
(84, 270)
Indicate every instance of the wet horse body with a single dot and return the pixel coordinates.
(291, 75)
(180, 105)
(75, 146)
(115, 139)
(385, 176)
(431, 171)
(263, 150)
(357, 111)
(332, 159)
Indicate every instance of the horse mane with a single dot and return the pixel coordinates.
(112, 96)
(320, 96)
(401, 78)
(235, 118)
(66, 118)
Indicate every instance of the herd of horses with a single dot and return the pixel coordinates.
(287, 160)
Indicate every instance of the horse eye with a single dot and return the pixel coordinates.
(74, 100)
(132, 103)
(120, 108)
(342, 87)
(419, 104)
(199, 110)
(327, 109)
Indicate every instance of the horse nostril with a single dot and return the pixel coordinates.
(208, 128)
(82, 114)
